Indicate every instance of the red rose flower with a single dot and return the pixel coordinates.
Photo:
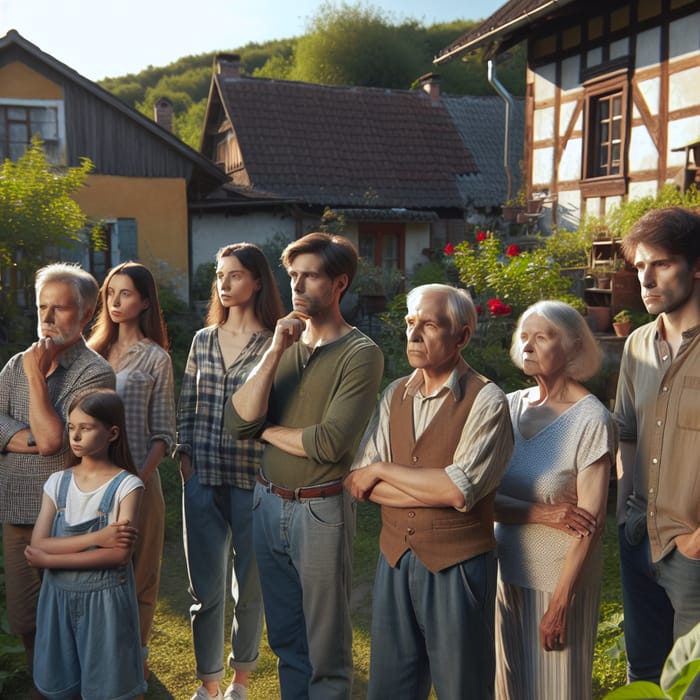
(449, 249)
(481, 236)
(512, 251)
(498, 308)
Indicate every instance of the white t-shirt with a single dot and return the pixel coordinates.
(81, 505)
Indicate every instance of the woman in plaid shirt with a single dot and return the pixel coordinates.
(219, 471)
(130, 334)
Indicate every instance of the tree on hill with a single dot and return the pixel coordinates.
(344, 45)
(355, 45)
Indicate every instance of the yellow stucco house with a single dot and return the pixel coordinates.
(143, 179)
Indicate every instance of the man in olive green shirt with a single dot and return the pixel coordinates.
(309, 399)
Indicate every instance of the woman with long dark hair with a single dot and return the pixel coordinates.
(219, 472)
(130, 334)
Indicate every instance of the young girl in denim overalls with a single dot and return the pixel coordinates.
(87, 640)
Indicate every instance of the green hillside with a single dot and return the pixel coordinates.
(350, 45)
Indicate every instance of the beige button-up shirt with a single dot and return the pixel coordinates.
(658, 407)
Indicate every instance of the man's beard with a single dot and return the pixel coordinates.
(57, 337)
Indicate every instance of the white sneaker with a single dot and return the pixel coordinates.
(236, 691)
(203, 694)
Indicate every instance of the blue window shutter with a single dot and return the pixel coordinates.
(128, 240)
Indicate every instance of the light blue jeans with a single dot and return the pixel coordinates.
(433, 629)
(661, 602)
(304, 553)
(217, 524)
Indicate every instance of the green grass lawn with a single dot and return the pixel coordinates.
(172, 660)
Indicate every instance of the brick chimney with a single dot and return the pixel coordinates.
(163, 113)
(430, 82)
(228, 65)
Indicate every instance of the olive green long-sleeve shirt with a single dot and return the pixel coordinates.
(330, 393)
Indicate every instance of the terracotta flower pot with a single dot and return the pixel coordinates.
(622, 329)
(598, 318)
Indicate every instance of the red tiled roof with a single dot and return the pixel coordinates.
(346, 146)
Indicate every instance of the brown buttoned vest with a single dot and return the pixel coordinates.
(439, 537)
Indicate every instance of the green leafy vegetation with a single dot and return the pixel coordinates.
(345, 44)
(38, 219)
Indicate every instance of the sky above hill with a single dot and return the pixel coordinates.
(103, 38)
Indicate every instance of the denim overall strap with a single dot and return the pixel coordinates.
(106, 502)
(63, 489)
(63, 486)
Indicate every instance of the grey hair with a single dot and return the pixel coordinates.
(460, 307)
(83, 283)
(583, 357)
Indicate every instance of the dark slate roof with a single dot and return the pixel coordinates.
(507, 24)
(481, 124)
(14, 47)
(346, 146)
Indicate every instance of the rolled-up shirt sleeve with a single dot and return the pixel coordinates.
(485, 447)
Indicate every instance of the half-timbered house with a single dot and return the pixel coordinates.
(613, 96)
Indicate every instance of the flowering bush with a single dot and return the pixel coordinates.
(515, 279)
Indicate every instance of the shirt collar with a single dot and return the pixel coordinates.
(71, 353)
(688, 334)
(414, 385)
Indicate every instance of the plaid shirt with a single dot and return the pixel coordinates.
(217, 456)
(145, 383)
(22, 476)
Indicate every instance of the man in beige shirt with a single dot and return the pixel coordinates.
(658, 413)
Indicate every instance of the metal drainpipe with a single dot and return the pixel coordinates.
(496, 85)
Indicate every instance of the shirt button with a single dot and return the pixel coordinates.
(651, 490)
(652, 514)
(410, 531)
(654, 461)
(411, 514)
(414, 459)
(665, 388)
(659, 423)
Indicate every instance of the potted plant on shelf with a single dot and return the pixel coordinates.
(604, 273)
(514, 206)
(622, 323)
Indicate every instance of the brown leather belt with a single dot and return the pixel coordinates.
(332, 488)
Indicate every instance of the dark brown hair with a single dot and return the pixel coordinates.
(107, 407)
(268, 305)
(673, 229)
(338, 254)
(105, 331)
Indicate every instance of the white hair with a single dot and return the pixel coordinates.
(583, 357)
(460, 307)
(83, 283)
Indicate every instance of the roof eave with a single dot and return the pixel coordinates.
(494, 37)
(13, 36)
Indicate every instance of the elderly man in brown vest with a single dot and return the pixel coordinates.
(433, 457)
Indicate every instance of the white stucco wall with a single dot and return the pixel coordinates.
(648, 48)
(650, 91)
(542, 165)
(684, 88)
(544, 82)
(642, 151)
(684, 36)
(213, 231)
(570, 164)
